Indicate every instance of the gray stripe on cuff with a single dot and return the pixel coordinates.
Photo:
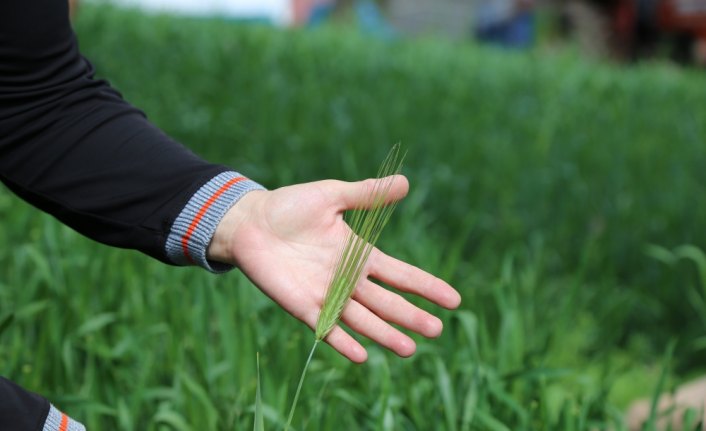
(53, 421)
(203, 232)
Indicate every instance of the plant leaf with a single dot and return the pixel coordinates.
(259, 420)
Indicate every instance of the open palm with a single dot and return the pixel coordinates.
(287, 240)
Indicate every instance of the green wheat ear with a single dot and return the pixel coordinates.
(366, 226)
(366, 222)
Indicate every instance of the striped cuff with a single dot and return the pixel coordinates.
(58, 421)
(193, 229)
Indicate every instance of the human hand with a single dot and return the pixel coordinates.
(287, 241)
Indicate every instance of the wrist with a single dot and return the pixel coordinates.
(194, 228)
(222, 246)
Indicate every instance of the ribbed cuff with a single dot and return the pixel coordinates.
(58, 421)
(195, 226)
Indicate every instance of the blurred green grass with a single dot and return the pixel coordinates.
(539, 184)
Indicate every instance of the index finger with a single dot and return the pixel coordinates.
(409, 278)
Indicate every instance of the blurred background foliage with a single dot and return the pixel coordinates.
(554, 192)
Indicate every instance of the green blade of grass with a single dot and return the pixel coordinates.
(259, 424)
(6, 320)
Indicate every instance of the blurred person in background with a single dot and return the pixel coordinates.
(312, 12)
(73, 147)
(369, 15)
(506, 23)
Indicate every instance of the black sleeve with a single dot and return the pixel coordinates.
(21, 410)
(71, 146)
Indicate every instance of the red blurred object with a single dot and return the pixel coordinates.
(301, 10)
(640, 26)
(683, 16)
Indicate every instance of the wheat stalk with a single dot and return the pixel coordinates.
(366, 222)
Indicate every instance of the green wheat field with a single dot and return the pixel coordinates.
(564, 198)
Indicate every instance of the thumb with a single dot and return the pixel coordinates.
(359, 194)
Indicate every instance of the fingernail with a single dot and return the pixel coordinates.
(453, 299)
(407, 347)
(434, 327)
(361, 354)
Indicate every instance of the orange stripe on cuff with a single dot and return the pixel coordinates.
(197, 219)
(64, 422)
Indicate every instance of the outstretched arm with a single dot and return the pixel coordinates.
(71, 145)
(286, 241)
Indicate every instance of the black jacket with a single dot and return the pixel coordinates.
(71, 146)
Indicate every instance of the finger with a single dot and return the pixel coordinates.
(366, 323)
(346, 345)
(340, 340)
(393, 308)
(408, 278)
(352, 195)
